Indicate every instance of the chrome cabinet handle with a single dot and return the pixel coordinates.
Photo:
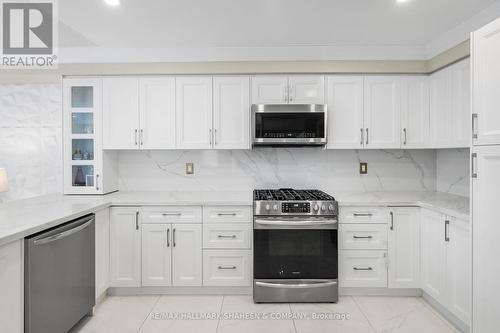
(291, 93)
(362, 268)
(141, 139)
(226, 236)
(446, 227)
(171, 214)
(406, 136)
(226, 267)
(392, 221)
(473, 165)
(210, 136)
(226, 214)
(474, 125)
(362, 214)
(285, 97)
(362, 237)
(135, 136)
(137, 220)
(362, 136)
(173, 237)
(215, 136)
(367, 135)
(168, 237)
(97, 182)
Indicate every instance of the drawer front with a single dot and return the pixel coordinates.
(362, 268)
(363, 236)
(171, 214)
(227, 214)
(364, 215)
(227, 268)
(227, 236)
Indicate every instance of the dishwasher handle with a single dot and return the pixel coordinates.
(63, 234)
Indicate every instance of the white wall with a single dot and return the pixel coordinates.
(453, 171)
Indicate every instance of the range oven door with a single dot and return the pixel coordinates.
(289, 125)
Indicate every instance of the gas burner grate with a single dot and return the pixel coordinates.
(291, 195)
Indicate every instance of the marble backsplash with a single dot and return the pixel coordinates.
(453, 171)
(329, 170)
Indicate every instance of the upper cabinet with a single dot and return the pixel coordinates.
(295, 89)
(450, 105)
(486, 84)
(415, 112)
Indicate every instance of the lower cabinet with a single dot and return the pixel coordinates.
(363, 268)
(11, 287)
(227, 268)
(102, 225)
(186, 255)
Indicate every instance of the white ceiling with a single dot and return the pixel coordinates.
(247, 25)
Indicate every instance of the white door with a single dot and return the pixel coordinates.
(120, 97)
(404, 248)
(486, 83)
(231, 114)
(415, 112)
(458, 268)
(306, 89)
(485, 243)
(12, 287)
(156, 255)
(344, 98)
(186, 255)
(101, 252)
(194, 112)
(269, 89)
(433, 254)
(441, 109)
(382, 111)
(157, 113)
(125, 247)
(460, 104)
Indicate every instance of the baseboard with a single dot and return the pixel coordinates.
(457, 322)
(131, 291)
(358, 291)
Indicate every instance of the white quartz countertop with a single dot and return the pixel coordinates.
(22, 218)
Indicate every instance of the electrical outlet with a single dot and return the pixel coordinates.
(190, 168)
(363, 168)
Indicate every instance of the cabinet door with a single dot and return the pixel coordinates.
(101, 252)
(194, 112)
(231, 122)
(404, 248)
(486, 84)
(363, 268)
(11, 288)
(433, 254)
(441, 109)
(125, 247)
(382, 111)
(460, 104)
(157, 113)
(486, 246)
(120, 113)
(458, 268)
(186, 255)
(269, 89)
(345, 111)
(306, 89)
(156, 255)
(415, 112)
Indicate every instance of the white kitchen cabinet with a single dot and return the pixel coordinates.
(156, 255)
(120, 97)
(157, 113)
(227, 214)
(12, 287)
(486, 88)
(382, 96)
(186, 255)
(485, 243)
(227, 268)
(460, 104)
(344, 98)
(231, 113)
(227, 236)
(362, 236)
(404, 248)
(125, 247)
(194, 112)
(415, 111)
(102, 238)
(363, 214)
(295, 89)
(363, 268)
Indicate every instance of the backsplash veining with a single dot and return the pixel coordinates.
(329, 170)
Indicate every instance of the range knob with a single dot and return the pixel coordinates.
(330, 207)
(323, 207)
(275, 207)
(316, 208)
(268, 206)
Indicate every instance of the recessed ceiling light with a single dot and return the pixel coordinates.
(401, 1)
(115, 3)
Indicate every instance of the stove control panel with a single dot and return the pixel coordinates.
(296, 207)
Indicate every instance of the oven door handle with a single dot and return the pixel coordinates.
(286, 224)
(296, 285)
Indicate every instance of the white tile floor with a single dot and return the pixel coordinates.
(350, 315)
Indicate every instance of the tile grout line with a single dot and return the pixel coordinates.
(364, 314)
(436, 313)
(220, 312)
(149, 313)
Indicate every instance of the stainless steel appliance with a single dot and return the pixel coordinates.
(289, 125)
(295, 246)
(59, 283)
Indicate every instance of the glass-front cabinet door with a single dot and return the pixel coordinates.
(82, 136)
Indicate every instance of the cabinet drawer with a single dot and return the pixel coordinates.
(171, 214)
(362, 268)
(227, 268)
(363, 236)
(227, 236)
(363, 214)
(230, 214)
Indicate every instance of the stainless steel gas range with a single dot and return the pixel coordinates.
(295, 246)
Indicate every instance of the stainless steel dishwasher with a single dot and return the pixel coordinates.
(59, 277)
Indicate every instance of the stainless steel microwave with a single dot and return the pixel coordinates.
(289, 124)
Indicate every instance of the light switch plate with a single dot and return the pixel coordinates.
(190, 168)
(363, 168)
